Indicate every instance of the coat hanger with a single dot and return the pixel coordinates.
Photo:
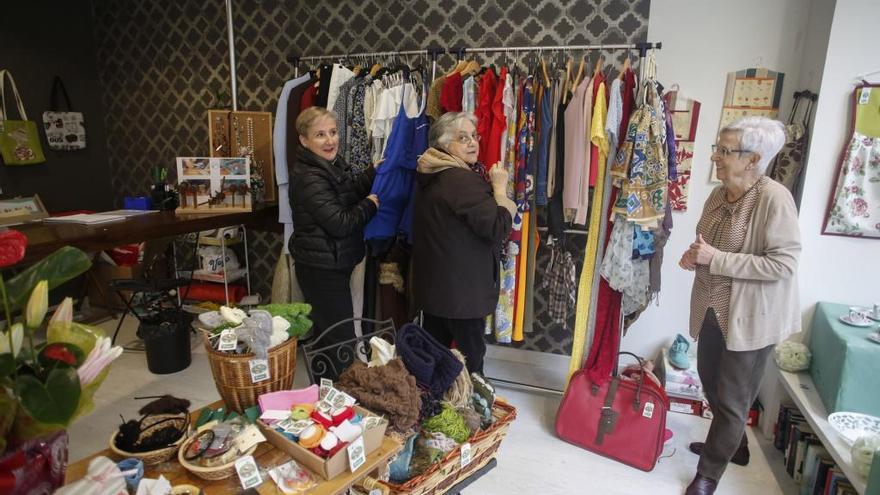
(580, 74)
(544, 72)
(566, 87)
(627, 64)
(600, 64)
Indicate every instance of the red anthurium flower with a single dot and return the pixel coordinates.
(12, 244)
(59, 352)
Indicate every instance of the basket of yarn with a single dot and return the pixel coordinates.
(155, 429)
(440, 476)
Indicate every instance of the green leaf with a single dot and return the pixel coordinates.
(7, 365)
(55, 401)
(65, 264)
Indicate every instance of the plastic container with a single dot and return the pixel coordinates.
(166, 339)
(137, 203)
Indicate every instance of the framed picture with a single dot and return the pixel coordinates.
(21, 210)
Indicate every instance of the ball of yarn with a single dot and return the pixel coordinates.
(863, 453)
(792, 356)
(471, 418)
(450, 423)
(459, 393)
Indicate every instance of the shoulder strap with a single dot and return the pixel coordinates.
(58, 85)
(608, 416)
(4, 113)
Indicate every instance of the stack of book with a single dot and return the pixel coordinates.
(806, 460)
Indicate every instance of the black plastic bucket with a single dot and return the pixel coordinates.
(166, 340)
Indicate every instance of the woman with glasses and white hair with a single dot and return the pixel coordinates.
(462, 214)
(744, 299)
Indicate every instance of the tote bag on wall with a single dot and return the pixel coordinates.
(65, 131)
(19, 141)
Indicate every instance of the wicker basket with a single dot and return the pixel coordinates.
(151, 424)
(213, 473)
(446, 473)
(232, 374)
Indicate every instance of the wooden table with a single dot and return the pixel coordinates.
(266, 456)
(46, 238)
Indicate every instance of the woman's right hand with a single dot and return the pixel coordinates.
(688, 261)
(374, 199)
(499, 177)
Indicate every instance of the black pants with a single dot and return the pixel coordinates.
(329, 293)
(467, 334)
(731, 381)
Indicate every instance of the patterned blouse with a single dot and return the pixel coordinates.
(723, 225)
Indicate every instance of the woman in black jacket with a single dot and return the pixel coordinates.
(330, 210)
(462, 214)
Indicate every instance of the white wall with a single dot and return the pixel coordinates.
(703, 40)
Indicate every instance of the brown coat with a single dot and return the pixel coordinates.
(764, 306)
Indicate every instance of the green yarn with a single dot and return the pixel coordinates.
(450, 423)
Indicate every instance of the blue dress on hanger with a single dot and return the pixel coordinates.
(394, 181)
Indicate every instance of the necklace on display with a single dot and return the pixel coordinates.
(242, 150)
(220, 136)
(256, 165)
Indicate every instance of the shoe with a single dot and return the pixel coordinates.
(701, 486)
(740, 457)
(678, 353)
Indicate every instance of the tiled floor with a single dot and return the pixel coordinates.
(532, 460)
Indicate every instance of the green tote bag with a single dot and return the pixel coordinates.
(19, 141)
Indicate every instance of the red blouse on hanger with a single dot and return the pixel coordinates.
(484, 116)
(498, 130)
(451, 93)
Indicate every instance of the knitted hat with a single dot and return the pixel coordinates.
(431, 363)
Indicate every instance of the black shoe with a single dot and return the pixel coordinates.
(701, 486)
(740, 457)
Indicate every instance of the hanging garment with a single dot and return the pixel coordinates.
(598, 139)
(451, 93)
(484, 113)
(323, 87)
(433, 110)
(494, 144)
(280, 140)
(544, 142)
(855, 204)
(551, 146)
(338, 77)
(788, 166)
(469, 95)
(386, 111)
(343, 109)
(561, 286)
(531, 265)
(394, 177)
(309, 96)
(372, 92)
(628, 89)
(359, 149)
(508, 154)
(504, 313)
(573, 196)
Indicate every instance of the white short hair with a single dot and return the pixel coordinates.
(761, 135)
(445, 128)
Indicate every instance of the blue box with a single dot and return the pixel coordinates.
(137, 203)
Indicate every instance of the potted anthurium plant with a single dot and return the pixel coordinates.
(45, 386)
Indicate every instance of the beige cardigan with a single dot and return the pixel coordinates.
(764, 307)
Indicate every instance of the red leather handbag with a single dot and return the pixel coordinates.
(623, 419)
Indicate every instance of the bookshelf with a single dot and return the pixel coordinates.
(802, 391)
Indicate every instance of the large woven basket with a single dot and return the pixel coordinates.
(152, 424)
(232, 374)
(446, 473)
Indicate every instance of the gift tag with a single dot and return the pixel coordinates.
(865, 96)
(356, 454)
(326, 385)
(349, 400)
(648, 411)
(466, 454)
(228, 340)
(371, 422)
(298, 426)
(248, 472)
(259, 370)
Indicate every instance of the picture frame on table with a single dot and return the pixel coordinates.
(15, 211)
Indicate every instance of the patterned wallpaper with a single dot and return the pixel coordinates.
(163, 63)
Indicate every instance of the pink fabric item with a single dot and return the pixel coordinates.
(285, 399)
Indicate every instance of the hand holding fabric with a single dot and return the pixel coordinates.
(499, 177)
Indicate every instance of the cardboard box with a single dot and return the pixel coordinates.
(685, 406)
(326, 468)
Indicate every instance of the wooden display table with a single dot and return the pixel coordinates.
(266, 456)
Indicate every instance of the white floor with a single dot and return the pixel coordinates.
(532, 460)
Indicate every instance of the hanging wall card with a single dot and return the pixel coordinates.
(213, 185)
(750, 92)
(685, 115)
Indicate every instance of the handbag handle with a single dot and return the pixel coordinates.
(58, 86)
(3, 112)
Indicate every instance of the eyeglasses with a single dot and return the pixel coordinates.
(724, 152)
(465, 139)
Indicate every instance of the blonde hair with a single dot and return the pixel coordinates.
(309, 116)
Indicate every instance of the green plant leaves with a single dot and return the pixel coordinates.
(54, 401)
(65, 264)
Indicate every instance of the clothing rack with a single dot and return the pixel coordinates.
(459, 52)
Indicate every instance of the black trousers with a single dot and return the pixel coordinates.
(467, 334)
(329, 293)
(731, 381)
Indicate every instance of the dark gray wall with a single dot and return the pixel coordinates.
(38, 40)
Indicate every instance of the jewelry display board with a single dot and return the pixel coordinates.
(247, 134)
(750, 92)
(214, 185)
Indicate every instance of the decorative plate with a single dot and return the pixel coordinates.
(845, 319)
(852, 425)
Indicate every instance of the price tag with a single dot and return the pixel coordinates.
(326, 385)
(865, 96)
(371, 422)
(349, 400)
(298, 426)
(356, 454)
(259, 370)
(648, 411)
(228, 340)
(466, 454)
(248, 472)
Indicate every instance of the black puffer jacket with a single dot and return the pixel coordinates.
(330, 210)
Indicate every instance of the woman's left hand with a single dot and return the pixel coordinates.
(703, 251)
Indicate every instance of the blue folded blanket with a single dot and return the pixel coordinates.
(432, 364)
